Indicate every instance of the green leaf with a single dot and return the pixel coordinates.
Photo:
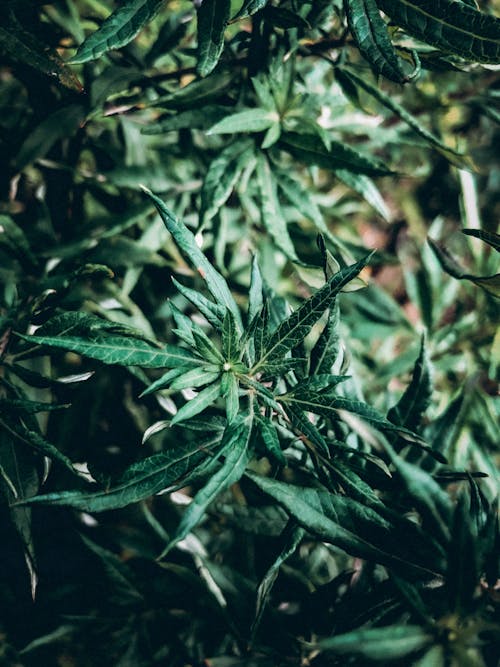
(114, 349)
(371, 35)
(410, 408)
(335, 407)
(230, 392)
(389, 643)
(22, 47)
(198, 93)
(449, 264)
(57, 125)
(310, 149)
(194, 378)
(272, 215)
(184, 238)
(255, 294)
(388, 101)
(213, 312)
(221, 177)
(365, 187)
(142, 479)
(293, 330)
(235, 449)
(300, 197)
(488, 237)
(293, 536)
(250, 7)
(230, 339)
(360, 531)
(326, 349)
(192, 119)
(213, 16)
(118, 29)
(267, 432)
(197, 404)
(453, 27)
(424, 494)
(249, 120)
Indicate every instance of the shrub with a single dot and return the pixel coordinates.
(230, 231)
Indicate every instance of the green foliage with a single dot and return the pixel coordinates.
(248, 409)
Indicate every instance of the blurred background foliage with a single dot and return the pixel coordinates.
(285, 133)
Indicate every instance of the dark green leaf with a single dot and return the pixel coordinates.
(235, 448)
(250, 7)
(371, 35)
(453, 27)
(293, 536)
(358, 530)
(184, 238)
(414, 402)
(194, 406)
(118, 29)
(213, 16)
(488, 237)
(292, 331)
(310, 149)
(142, 480)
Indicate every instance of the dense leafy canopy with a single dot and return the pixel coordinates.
(248, 333)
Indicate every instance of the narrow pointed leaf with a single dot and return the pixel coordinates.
(410, 408)
(293, 330)
(387, 643)
(118, 29)
(248, 120)
(272, 215)
(326, 349)
(270, 439)
(389, 102)
(250, 7)
(358, 530)
(194, 406)
(120, 350)
(142, 480)
(371, 35)
(292, 538)
(457, 28)
(184, 238)
(235, 448)
(221, 177)
(255, 294)
(213, 312)
(488, 237)
(213, 16)
(311, 150)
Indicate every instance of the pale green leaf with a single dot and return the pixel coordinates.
(194, 406)
(389, 643)
(248, 120)
(272, 214)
